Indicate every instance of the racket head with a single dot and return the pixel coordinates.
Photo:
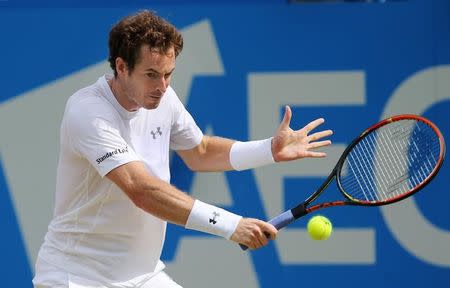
(390, 161)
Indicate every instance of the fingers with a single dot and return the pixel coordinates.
(254, 233)
(286, 118)
(270, 231)
(319, 144)
(313, 124)
(312, 139)
(311, 154)
(316, 145)
(258, 236)
(319, 135)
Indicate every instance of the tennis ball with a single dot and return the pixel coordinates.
(319, 228)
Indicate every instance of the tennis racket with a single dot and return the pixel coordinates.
(388, 162)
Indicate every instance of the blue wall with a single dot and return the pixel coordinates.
(385, 49)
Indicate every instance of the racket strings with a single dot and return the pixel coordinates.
(390, 161)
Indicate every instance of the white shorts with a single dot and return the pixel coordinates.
(49, 276)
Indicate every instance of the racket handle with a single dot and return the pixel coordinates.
(282, 220)
(278, 222)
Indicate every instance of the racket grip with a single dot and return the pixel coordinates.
(278, 222)
(282, 220)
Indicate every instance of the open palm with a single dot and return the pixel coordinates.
(289, 144)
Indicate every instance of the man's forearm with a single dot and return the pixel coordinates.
(165, 202)
(211, 155)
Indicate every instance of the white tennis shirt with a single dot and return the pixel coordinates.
(97, 233)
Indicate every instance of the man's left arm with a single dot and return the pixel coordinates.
(212, 154)
(220, 154)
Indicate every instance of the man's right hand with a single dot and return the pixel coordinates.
(254, 233)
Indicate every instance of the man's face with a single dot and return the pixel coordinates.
(146, 84)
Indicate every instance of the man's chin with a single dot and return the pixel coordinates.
(151, 106)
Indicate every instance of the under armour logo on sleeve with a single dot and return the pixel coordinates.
(215, 216)
(158, 131)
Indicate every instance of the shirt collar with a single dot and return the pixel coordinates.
(112, 99)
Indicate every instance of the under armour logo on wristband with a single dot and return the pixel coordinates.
(158, 131)
(215, 216)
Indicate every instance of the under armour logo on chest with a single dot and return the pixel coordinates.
(156, 133)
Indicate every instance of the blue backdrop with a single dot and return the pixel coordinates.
(371, 55)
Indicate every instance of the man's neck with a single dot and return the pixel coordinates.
(120, 95)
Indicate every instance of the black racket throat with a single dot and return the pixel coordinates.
(302, 210)
(299, 211)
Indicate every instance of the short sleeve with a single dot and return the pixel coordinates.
(185, 134)
(98, 139)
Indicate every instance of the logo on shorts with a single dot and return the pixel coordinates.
(215, 216)
(156, 133)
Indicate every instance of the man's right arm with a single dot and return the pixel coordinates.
(166, 202)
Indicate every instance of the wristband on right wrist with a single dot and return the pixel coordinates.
(213, 220)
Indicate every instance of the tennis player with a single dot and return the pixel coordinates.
(113, 197)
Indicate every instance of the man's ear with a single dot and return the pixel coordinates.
(121, 66)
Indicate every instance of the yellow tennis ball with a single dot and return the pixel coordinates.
(319, 228)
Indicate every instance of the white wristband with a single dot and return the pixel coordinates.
(213, 220)
(251, 154)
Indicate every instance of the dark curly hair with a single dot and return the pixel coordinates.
(143, 28)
